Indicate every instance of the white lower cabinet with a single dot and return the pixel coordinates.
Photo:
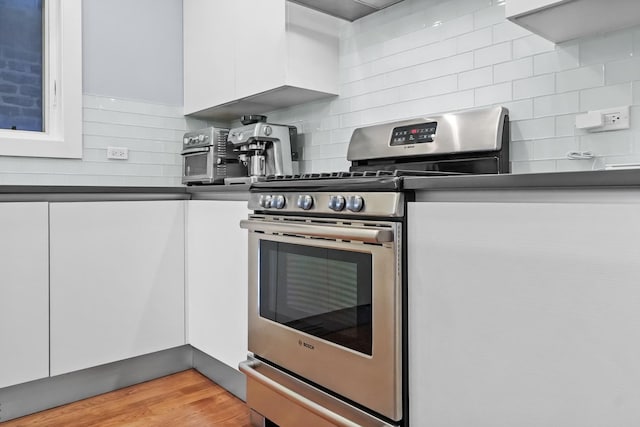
(524, 314)
(217, 279)
(117, 281)
(24, 293)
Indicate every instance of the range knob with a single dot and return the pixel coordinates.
(186, 140)
(336, 203)
(278, 201)
(265, 201)
(305, 202)
(355, 203)
(201, 138)
(267, 130)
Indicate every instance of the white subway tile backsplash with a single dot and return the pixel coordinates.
(124, 131)
(519, 110)
(353, 119)
(457, 26)
(576, 165)
(521, 150)
(532, 129)
(340, 135)
(130, 106)
(421, 37)
(363, 86)
(554, 105)
(442, 67)
(554, 148)
(475, 40)
(531, 45)
(492, 55)
(606, 96)
(566, 126)
(489, 16)
(580, 78)
(534, 166)
(608, 144)
(565, 57)
(493, 94)
(475, 78)
(622, 71)
(374, 99)
(438, 86)
(611, 47)
(134, 119)
(507, 30)
(534, 86)
(513, 70)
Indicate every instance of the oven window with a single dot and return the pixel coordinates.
(196, 164)
(323, 292)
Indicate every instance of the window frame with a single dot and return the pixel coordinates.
(62, 89)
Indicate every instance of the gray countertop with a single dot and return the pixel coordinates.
(63, 193)
(629, 178)
(588, 179)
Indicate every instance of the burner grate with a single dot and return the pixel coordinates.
(356, 174)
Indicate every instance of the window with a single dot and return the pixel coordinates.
(41, 78)
(21, 87)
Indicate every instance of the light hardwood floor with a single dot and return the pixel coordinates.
(183, 399)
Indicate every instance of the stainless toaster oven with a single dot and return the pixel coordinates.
(208, 158)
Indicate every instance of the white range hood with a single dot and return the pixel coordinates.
(347, 9)
(562, 20)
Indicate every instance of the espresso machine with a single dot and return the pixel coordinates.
(264, 148)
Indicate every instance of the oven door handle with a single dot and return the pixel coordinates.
(197, 150)
(247, 367)
(367, 235)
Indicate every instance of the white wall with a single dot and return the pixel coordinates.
(427, 56)
(133, 49)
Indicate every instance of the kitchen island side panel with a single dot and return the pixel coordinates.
(524, 314)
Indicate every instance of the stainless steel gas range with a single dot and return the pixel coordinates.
(327, 284)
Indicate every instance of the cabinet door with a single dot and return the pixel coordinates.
(217, 279)
(524, 314)
(117, 281)
(210, 31)
(261, 58)
(24, 292)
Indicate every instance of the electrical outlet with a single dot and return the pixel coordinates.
(614, 119)
(117, 153)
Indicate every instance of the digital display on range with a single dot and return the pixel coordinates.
(414, 134)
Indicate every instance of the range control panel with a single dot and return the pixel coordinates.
(365, 204)
(414, 134)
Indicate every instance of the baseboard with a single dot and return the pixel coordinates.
(35, 396)
(228, 378)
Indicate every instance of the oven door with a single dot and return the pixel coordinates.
(197, 165)
(325, 304)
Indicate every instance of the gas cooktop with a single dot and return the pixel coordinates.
(370, 180)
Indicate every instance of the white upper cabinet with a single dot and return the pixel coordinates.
(253, 56)
(562, 20)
